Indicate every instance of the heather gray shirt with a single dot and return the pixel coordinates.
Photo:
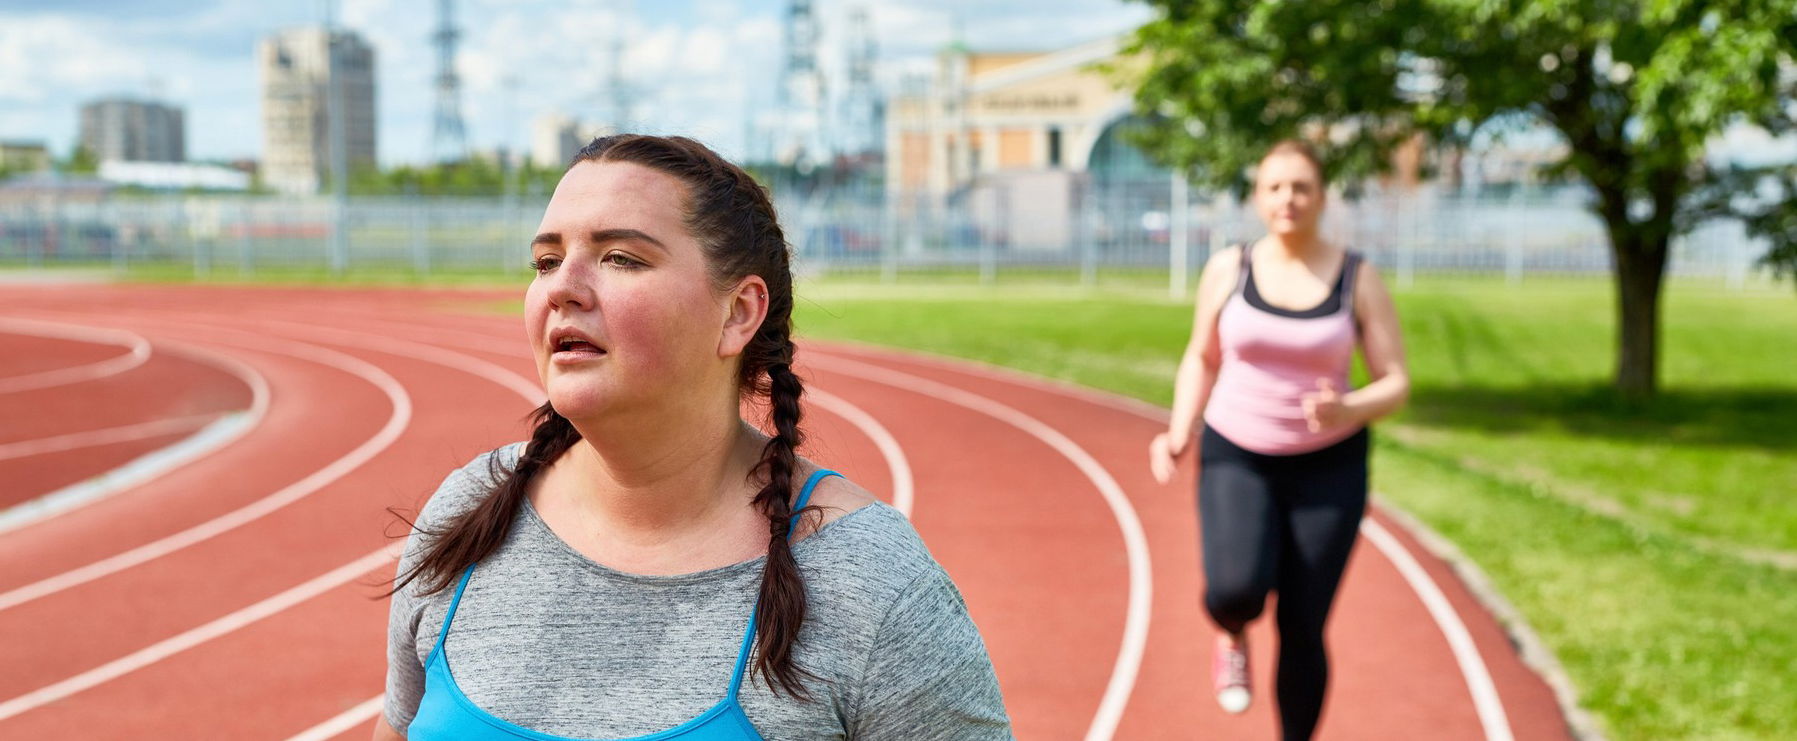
(553, 641)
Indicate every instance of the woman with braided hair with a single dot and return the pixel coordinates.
(649, 565)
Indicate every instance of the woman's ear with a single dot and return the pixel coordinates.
(745, 310)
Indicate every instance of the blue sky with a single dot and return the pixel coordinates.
(701, 67)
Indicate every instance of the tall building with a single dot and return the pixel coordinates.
(554, 138)
(122, 129)
(296, 82)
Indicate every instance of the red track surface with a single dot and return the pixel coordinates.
(415, 389)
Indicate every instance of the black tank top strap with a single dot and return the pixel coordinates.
(1243, 270)
(1350, 271)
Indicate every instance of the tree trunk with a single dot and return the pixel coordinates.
(1640, 269)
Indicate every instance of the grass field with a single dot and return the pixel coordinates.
(1632, 537)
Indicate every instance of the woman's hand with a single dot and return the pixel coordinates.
(1163, 460)
(1325, 408)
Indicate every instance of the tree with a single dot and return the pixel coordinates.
(1635, 88)
(81, 161)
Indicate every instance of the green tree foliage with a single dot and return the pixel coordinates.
(81, 161)
(1636, 88)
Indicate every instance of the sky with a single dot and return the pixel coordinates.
(704, 68)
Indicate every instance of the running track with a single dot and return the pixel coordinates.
(232, 589)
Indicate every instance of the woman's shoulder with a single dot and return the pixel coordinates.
(466, 486)
(869, 553)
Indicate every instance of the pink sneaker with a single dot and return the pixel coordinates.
(1229, 673)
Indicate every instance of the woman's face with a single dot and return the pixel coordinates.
(1288, 194)
(622, 315)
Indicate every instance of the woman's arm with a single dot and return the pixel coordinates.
(384, 732)
(928, 674)
(1198, 367)
(1382, 346)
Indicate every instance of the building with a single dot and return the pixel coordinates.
(174, 175)
(126, 130)
(24, 156)
(296, 81)
(1013, 136)
(554, 138)
(985, 113)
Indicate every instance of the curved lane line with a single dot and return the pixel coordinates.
(396, 423)
(227, 429)
(105, 436)
(1135, 542)
(139, 353)
(1466, 653)
(1483, 690)
(896, 462)
(348, 719)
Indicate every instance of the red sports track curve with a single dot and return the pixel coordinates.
(237, 596)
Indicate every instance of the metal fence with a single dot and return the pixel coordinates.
(1140, 229)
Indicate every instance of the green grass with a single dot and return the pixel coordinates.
(1616, 528)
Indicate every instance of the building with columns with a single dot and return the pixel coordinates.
(984, 113)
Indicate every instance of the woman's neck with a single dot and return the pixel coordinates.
(655, 484)
(1296, 246)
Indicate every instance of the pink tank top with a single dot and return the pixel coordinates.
(1272, 357)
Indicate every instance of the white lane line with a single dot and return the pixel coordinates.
(139, 353)
(105, 436)
(1141, 580)
(215, 436)
(527, 388)
(343, 722)
(396, 423)
(176, 644)
(1486, 701)
(1472, 666)
(896, 463)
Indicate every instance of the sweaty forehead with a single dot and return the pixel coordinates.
(617, 195)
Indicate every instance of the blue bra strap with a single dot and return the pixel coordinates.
(450, 614)
(742, 654)
(805, 493)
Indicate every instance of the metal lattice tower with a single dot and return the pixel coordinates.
(801, 90)
(862, 112)
(449, 138)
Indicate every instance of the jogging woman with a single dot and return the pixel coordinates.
(1282, 455)
(649, 565)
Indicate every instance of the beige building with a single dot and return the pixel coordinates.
(1014, 137)
(998, 112)
(23, 156)
(296, 72)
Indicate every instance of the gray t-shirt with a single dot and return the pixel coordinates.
(551, 640)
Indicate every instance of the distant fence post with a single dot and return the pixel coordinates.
(421, 253)
(1176, 238)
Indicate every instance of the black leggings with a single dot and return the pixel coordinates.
(1281, 523)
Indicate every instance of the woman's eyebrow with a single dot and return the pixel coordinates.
(554, 239)
(613, 235)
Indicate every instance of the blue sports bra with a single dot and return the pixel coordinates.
(445, 713)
